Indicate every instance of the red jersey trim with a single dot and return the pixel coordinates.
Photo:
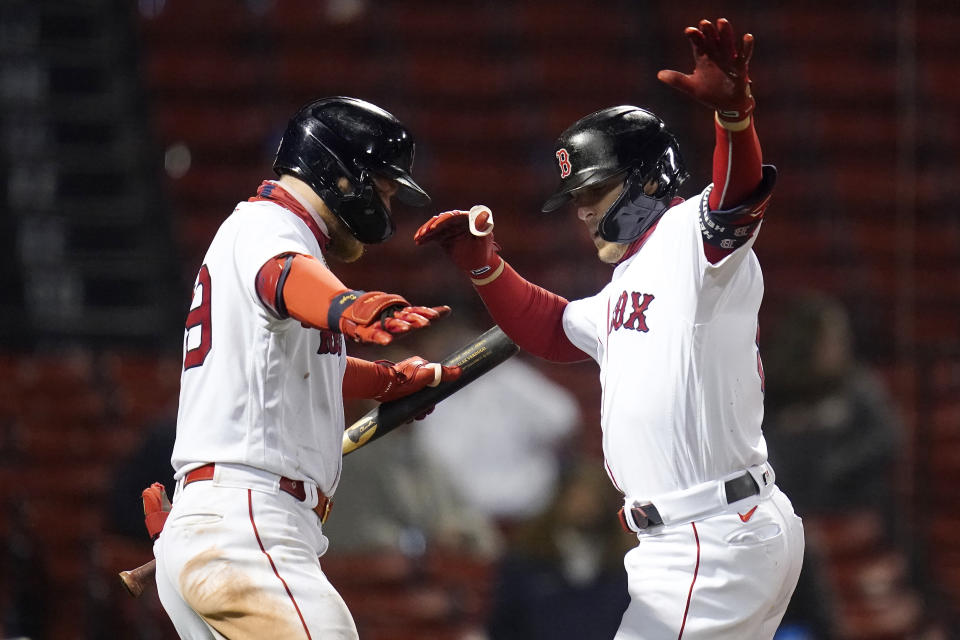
(696, 570)
(642, 240)
(273, 566)
(272, 191)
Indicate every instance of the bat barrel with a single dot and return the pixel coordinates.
(475, 359)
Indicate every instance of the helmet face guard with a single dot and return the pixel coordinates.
(363, 212)
(340, 137)
(634, 211)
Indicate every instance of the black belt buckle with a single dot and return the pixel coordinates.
(741, 487)
(645, 516)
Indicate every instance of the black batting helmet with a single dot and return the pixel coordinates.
(620, 140)
(345, 137)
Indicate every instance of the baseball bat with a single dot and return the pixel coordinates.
(475, 359)
(135, 579)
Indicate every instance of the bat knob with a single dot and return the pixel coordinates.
(437, 373)
(131, 584)
(475, 212)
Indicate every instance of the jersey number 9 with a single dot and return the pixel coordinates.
(198, 322)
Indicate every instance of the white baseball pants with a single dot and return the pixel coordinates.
(726, 577)
(238, 558)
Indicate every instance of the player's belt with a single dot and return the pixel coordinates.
(697, 502)
(293, 487)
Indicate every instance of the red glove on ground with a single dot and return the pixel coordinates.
(376, 317)
(156, 508)
(720, 77)
(475, 254)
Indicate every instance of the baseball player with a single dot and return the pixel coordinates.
(258, 448)
(674, 333)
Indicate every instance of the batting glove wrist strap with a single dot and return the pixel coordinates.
(467, 239)
(738, 125)
(487, 274)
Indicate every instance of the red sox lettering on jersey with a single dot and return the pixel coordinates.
(637, 320)
(330, 342)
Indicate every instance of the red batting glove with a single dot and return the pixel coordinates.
(477, 255)
(156, 508)
(411, 375)
(720, 77)
(377, 317)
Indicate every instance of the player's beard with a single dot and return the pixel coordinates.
(343, 246)
(609, 252)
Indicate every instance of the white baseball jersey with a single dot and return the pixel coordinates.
(257, 390)
(675, 337)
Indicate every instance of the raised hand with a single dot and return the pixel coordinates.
(720, 77)
(466, 236)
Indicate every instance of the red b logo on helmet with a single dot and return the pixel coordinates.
(564, 159)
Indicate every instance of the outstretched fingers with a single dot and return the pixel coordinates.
(442, 226)
(726, 40)
(675, 79)
(746, 49)
(410, 318)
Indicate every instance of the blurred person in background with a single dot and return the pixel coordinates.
(486, 457)
(147, 463)
(500, 439)
(394, 498)
(561, 576)
(449, 486)
(824, 404)
(834, 438)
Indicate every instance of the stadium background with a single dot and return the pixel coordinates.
(130, 130)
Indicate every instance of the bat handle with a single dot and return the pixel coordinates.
(136, 579)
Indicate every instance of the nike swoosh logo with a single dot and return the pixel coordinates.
(749, 514)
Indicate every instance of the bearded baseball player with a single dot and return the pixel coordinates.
(674, 333)
(260, 423)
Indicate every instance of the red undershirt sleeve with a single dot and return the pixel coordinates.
(364, 379)
(740, 192)
(736, 166)
(530, 315)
